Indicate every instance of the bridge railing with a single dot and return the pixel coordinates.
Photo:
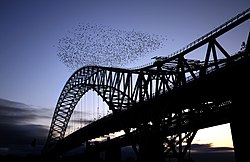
(202, 38)
(211, 33)
(236, 57)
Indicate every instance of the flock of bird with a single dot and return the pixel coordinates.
(104, 46)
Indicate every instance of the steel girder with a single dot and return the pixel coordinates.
(121, 88)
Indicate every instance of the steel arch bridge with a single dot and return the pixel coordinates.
(123, 89)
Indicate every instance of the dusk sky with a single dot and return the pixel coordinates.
(32, 75)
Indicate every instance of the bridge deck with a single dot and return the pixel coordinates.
(217, 86)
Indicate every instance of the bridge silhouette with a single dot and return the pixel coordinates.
(160, 106)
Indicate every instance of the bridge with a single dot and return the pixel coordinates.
(160, 106)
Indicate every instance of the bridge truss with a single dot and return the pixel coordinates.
(128, 91)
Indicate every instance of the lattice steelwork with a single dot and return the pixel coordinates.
(121, 88)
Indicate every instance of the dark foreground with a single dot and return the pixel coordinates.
(194, 157)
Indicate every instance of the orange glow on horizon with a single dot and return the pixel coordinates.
(218, 136)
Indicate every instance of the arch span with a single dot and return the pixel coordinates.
(114, 85)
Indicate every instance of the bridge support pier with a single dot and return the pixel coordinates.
(90, 153)
(113, 154)
(239, 119)
(238, 130)
(151, 146)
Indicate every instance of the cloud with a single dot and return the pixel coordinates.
(19, 124)
(208, 148)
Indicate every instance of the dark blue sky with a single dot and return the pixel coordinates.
(30, 70)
